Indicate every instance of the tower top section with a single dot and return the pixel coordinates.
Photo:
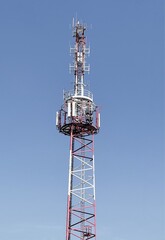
(78, 111)
(79, 66)
(76, 25)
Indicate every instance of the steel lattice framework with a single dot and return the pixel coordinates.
(79, 118)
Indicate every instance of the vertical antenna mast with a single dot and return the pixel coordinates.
(79, 118)
(80, 51)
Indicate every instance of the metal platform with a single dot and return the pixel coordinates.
(78, 129)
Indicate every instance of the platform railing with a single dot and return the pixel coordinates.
(86, 93)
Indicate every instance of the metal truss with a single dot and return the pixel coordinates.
(81, 214)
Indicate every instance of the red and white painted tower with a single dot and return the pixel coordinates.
(79, 118)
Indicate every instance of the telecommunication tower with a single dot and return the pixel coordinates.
(79, 118)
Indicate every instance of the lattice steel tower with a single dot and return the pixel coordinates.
(79, 118)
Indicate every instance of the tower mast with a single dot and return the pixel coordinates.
(79, 118)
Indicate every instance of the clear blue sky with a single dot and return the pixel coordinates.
(126, 40)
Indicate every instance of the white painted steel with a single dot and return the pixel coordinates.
(70, 167)
(74, 109)
(94, 189)
(57, 118)
(98, 120)
(69, 109)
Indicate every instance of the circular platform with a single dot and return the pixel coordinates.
(79, 129)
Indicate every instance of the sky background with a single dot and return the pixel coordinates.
(127, 80)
